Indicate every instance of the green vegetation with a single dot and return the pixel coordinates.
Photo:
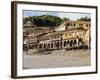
(45, 20)
(65, 19)
(84, 19)
(49, 20)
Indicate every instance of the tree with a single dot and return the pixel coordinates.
(84, 19)
(65, 19)
(25, 20)
(44, 20)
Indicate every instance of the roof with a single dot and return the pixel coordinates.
(77, 21)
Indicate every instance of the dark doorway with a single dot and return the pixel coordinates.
(65, 43)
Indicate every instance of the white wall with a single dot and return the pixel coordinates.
(5, 40)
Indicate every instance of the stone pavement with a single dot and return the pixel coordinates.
(57, 58)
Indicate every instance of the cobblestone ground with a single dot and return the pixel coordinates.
(57, 58)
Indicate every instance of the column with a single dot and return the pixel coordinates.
(77, 42)
(53, 45)
(62, 44)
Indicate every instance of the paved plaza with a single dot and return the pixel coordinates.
(57, 58)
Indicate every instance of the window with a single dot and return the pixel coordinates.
(51, 45)
(74, 42)
(64, 43)
(80, 24)
(86, 25)
(68, 24)
(74, 24)
(58, 36)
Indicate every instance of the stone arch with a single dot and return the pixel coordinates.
(44, 46)
(80, 41)
(57, 44)
(48, 45)
(74, 42)
(40, 46)
(51, 45)
(71, 43)
(65, 43)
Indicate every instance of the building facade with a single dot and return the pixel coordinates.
(69, 35)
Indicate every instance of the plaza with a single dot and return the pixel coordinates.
(57, 59)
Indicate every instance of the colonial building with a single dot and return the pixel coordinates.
(74, 24)
(69, 35)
